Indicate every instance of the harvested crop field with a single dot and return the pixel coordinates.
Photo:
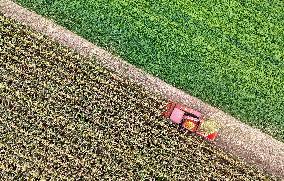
(62, 116)
(228, 54)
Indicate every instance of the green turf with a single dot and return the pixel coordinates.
(229, 54)
(63, 117)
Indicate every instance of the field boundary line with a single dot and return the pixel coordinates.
(235, 137)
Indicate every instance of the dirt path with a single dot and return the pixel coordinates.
(62, 116)
(237, 138)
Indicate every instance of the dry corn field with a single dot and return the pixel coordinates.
(65, 117)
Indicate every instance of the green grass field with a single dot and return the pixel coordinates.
(63, 117)
(228, 54)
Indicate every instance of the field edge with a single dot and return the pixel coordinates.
(236, 137)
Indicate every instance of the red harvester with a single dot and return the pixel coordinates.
(191, 120)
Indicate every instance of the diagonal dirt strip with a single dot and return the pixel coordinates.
(237, 138)
(63, 116)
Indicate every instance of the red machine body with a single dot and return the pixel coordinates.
(189, 119)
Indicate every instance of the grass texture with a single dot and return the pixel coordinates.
(65, 117)
(229, 54)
